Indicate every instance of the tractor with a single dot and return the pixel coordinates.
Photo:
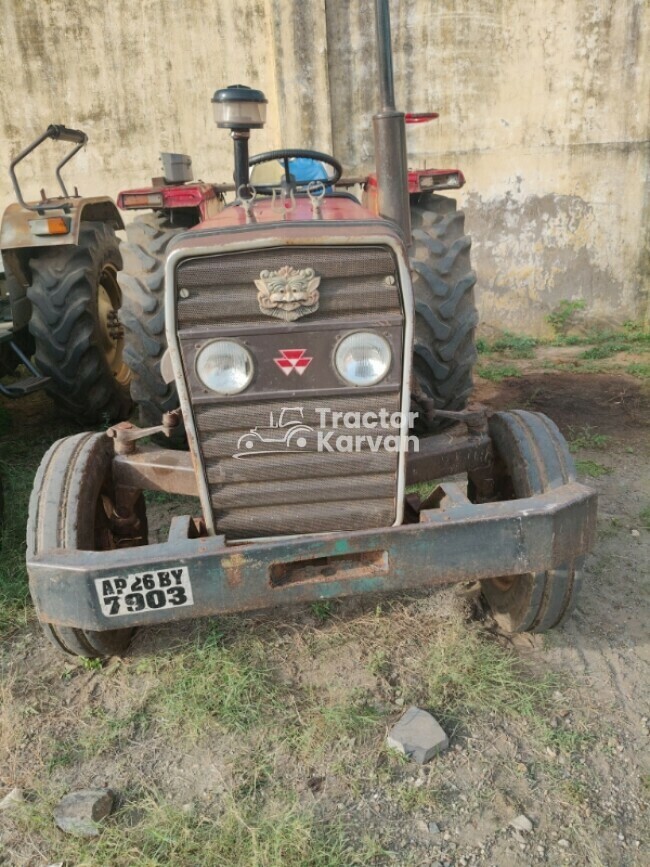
(357, 317)
(59, 304)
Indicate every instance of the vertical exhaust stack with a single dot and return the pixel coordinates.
(390, 133)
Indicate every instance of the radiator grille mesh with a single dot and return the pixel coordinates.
(222, 288)
(301, 489)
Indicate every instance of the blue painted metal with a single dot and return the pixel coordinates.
(459, 541)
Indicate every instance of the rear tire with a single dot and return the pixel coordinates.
(78, 341)
(445, 314)
(143, 313)
(72, 506)
(533, 458)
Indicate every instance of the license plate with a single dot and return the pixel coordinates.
(145, 591)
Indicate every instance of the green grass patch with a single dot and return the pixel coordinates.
(245, 833)
(469, 675)
(509, 344)
(210, 682)
(641, 370)
(592, 469)
(562, 317)
(586, 437)
(497, 372)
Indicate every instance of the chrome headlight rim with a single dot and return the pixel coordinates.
(373, 335)
(247, 358)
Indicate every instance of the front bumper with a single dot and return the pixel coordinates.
(457, 542)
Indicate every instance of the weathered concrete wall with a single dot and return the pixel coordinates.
(544, 105)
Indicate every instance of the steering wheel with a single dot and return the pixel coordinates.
(288, 154)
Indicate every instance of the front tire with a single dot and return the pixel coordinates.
(444, 352)
(73, 506)
(78, 340)
(532, 458)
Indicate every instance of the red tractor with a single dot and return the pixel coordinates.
(444, 352)
(298, 302)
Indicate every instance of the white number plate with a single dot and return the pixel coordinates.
(145, 591)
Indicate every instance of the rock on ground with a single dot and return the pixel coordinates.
(14, 797)
(418, 735)
(79, 812)
(522, 823)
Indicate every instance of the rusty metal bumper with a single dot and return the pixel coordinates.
(458, 541)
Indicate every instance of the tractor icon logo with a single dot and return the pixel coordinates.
(289, 434)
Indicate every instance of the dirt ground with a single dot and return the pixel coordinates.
(260, 739)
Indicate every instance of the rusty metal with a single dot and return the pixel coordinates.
(458, 543)
(156, 469)
(125, 434)
(447, 455)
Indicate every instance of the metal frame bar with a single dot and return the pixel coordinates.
(456, 542)
(57, 132)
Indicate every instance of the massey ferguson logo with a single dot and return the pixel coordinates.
(293, 359)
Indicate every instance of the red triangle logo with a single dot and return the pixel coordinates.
(293, 359)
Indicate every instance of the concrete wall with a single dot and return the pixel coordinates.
(544, 105)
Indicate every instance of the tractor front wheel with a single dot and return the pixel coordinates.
(74, 505)
(532, 458)
(78, 340)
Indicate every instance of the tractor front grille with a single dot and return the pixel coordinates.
(220, 291)
(298, 489)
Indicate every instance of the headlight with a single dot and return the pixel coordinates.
(363, 358)
(225, 366)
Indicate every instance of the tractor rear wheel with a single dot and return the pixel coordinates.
(445, 314)
(143, 313)
(73, 506)
(532, 458)
(78, 339)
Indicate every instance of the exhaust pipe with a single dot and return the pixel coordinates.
(390, 133)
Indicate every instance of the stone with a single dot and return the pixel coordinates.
(636, 534)
(79, 812)
(11, 800)
(522, 823)
(563, 843)
(433, 828)
(417, 735)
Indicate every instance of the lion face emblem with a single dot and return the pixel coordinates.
(288, 293)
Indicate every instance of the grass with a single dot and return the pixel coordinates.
(641, 370)
(497, 372)
(563, 316)
(644, 515)
(592, 469)
(586, 437)
(211, 683)
(509, 344)
(469, 675)
(251, 833)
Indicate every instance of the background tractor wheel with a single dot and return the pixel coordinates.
(143, 313)
(78, 339)
(532, 458)
(73, 506)
(445, 314)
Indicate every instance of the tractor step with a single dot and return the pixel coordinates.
(26, 386)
